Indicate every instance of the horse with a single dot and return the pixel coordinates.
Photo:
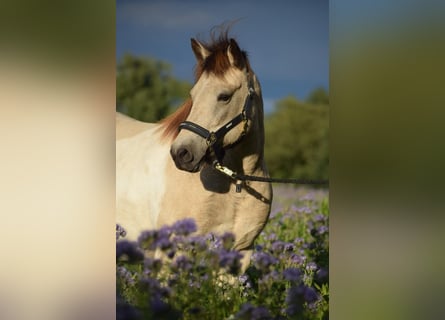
(165, 171)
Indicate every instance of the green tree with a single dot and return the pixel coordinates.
(146, 89)
(297, 140)
(318, 96)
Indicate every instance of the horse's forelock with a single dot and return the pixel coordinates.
(217, 62)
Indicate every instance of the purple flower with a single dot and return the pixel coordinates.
(308, 196)
(310, 295)
(120, 232)
(322, 275)
(159, 309)
(270, 277)
(126, 276)
(126, 250)
(245, 281)
(277, 247)
(154, 288)
(292, 274)
(304, 209)
(297, 296)
(319, 218)
(124, 311)
(271, 237)
(311, 266)
(243, 278)
(230, 260)
(288, 247)
(152, 265)
(184, 227)
(163, 243)
(182, 263)
(275, 212)
(286, 218)
(294, 301)
(322, 230)
(196, 243)
(298, 259)
(153, 239)
(194, 281)
(263, 260)
(310, 226)
(249, 312)
(158, 306)
(227, 240)
(260, 313)
(146, 238)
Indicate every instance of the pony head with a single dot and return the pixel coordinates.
(223, 85)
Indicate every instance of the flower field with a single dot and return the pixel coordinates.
(199, 277)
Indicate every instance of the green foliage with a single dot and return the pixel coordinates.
(297, 139)
(318, 96)
(146, 90)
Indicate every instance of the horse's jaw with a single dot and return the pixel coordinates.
(194, 169)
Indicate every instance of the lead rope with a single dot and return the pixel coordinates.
(240, 178)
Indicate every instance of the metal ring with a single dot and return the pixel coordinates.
(211, 139)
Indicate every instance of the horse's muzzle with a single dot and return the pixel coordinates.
(185, 160)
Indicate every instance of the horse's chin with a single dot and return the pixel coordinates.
(192, 169)
(197, 168)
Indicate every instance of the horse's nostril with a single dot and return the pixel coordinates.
(184, 155)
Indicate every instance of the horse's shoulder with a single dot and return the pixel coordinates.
(127, 127)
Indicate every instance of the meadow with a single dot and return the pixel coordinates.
(288, 277)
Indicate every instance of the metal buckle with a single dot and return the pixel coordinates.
(230, 173)
(211, 139)
(224, 170)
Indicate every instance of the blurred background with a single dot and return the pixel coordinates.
(288, 47)
(386, 156)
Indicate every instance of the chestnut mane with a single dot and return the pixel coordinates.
(217, 62)
(171, 123)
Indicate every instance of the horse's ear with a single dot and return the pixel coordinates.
(235, 55)
(199, 50)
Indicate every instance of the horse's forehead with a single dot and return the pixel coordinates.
(210, 82)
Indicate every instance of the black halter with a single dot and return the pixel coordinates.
(215, 138)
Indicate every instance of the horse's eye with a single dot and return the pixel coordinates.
(224, 97)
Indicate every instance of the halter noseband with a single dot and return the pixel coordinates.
(214, 137)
